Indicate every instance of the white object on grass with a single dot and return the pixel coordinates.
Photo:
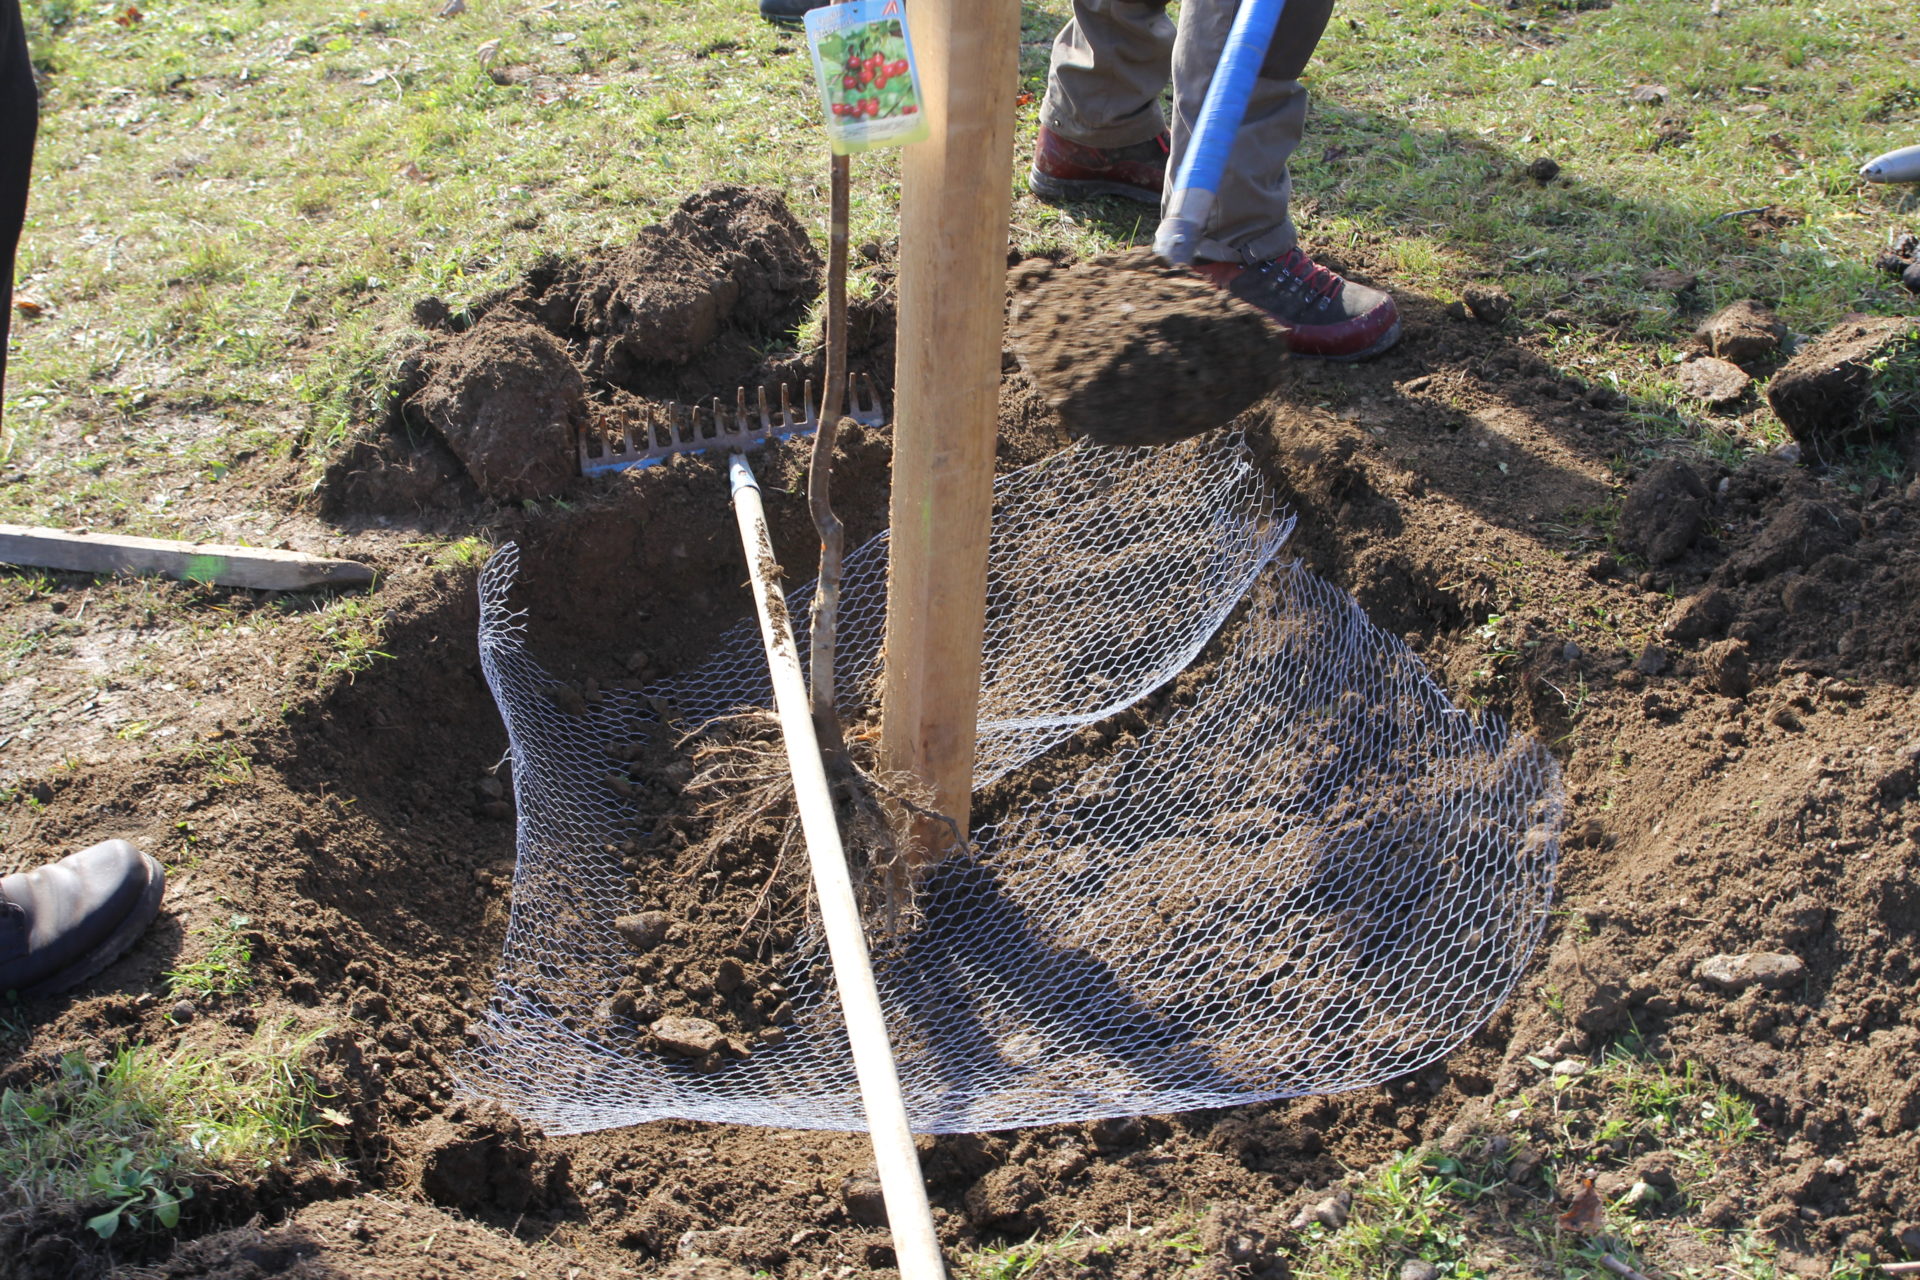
(1895, 166)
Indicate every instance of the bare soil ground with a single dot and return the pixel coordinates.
(1723, 654)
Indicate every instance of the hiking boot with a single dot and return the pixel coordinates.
(788, 13)
(1067, 170)
(62, 923)
(1324, 314)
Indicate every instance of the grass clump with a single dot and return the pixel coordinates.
(226, 969)
(125, 1140)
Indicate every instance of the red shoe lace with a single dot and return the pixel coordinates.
(1313, 277)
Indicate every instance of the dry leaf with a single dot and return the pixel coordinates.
(452, 7)
(487, 52)
(1586, 1214)
(28, 307)
(128, 16)
(413, 172)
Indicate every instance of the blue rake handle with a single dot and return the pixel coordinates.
(1194, 188)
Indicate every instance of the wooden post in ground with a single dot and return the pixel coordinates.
(956, 193)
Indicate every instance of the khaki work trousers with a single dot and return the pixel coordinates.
(1110, 64)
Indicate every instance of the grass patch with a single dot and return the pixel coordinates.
(227, 967)
(351, 631)
(126, 1140)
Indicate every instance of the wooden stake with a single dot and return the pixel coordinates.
(956, 194)
(256, 567)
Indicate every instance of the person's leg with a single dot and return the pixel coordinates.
(1251, 247)
(1102, 131)
(1250, 212)
(19, 122)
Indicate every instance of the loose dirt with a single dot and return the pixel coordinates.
(1736, 722)
(1129, 351)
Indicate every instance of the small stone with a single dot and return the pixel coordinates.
(490, 788)
(1908, 1234)
(182, 1011)
(1742, 331)
(1652, 661)
(1488, 304)
(643, 931)
(863, 1200)
(497, 810)
(1911, 278)
(1736, 973)
(1569, 1067)
(1715, 381)
(1649, 94)
(689, 1037)
(1456, 311)
(1331, 1213)
(1544, 169)
(1418, 1269)
(1639, 1193)
(1570, 652)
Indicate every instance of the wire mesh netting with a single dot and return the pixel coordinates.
(1312, 874)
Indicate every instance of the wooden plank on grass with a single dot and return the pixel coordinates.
(956, 193)
(255, 567)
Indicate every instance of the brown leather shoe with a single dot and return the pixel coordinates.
(1324, 314)
(1066, 170)
(62, 923)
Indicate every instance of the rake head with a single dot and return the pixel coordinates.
(620, 440)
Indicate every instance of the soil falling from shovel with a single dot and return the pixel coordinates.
(1131, 351)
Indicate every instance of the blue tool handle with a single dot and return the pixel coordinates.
(1205, 160)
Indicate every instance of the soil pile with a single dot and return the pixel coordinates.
(1129, 351)
(684, 314)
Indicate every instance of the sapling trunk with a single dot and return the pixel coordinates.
(825, 618)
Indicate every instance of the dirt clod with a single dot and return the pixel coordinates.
(1663, 511)
(1717, 382)
(1823, 393)
(861, 1196)
(1742, 332)
(507, 400)
(1129, 351)
(1489, 304)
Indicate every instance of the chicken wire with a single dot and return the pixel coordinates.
(1313, 873)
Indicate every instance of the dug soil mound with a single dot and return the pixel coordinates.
(1129, 351)
(1725, 1013)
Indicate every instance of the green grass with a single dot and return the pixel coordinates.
(236, 202)
(127, 1139)
(227, 967)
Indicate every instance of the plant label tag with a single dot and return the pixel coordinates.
(868, 81)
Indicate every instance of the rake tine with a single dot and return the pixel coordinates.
(811, 422)
(766, 418)
(868, 412)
